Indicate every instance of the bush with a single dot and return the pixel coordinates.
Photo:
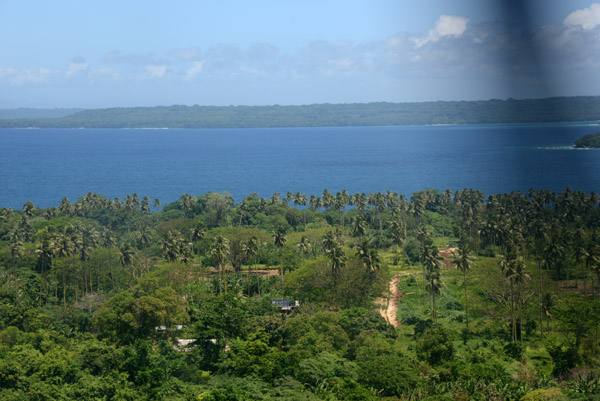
(564, 358)
(544, 394)
(513, 350)
(436, 346)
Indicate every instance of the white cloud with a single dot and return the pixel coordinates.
(191, 54)
(24, 77)
(6, 72)
(588, 18)
(156, 71)
(104, 72)
(193, 71)
(446, 25)
(75, 68)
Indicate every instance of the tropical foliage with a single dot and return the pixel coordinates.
(438, 296)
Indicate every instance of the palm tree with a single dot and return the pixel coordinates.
(520, 277)
(250, 249)
(327, 199)
(591, 254)
(340, 201)
(289, 196)
(431, 265)
(64, 249)
(304, 246)
(359, 226)
(299, 199)
(396, 229)
(136, 200)
(187, 203)
(464, 263)
(145, 205)
(89, 239)
(51, 213)
(313, 203)
(110, 242)
(275, 199)
(338, 260)
(434, 286)
(45, 252)
(126, 257)
(145, 239)
(220, 250)
(16, 250)
(508, 268)
(198, 233)
(171, 246)
(379, 201)
(359, 200)
(243, 209)
(65, 207)
(279, 239)
(28, 209)
(369, 257)
(157, 203)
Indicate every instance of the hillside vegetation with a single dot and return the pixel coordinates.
(580, 108)
(496, 298)
(589, 141)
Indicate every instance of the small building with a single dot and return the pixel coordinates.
(286, 305)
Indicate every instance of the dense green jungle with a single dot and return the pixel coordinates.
(440, 296)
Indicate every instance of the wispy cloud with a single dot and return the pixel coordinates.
(455, 53)
(116, 57)
(191, 54)
(194, 70)
(156, 71)
(587, 18)
(76, 66)
(24, 77)
(445, 26)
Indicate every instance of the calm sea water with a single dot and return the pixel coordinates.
(47, 164)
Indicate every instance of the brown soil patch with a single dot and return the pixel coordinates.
(264, 272)
(388, 306)
(447, 255)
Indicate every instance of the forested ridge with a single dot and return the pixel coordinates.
(589, 141)
(556, 109)
(497, 297)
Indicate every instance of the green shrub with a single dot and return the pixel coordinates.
(544, 394)
(436, 346)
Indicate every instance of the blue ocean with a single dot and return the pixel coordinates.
(45, 165)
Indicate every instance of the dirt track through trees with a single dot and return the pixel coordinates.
(389, 304)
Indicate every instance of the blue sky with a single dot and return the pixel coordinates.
(145, 53)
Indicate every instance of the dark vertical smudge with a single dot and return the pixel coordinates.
(524, 66)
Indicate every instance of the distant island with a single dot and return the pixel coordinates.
(589, 141)
(555, 109)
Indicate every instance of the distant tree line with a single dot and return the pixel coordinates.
(578, 108)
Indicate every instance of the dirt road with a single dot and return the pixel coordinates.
(389, 305)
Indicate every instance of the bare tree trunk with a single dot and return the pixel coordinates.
(541, 301)
(466, 301)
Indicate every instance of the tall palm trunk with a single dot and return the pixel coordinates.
(281, 259)
(249, 270)
(225, 278)
(466, 300)
(541, 300)
(220, 279)
(64, 277)
(512, 312)
(112, 276)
